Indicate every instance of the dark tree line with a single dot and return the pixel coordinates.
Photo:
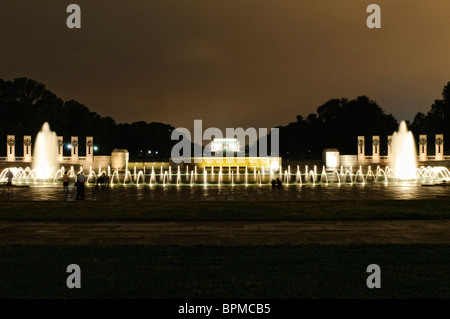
(26, 104)
(436, 121)
(338, 122)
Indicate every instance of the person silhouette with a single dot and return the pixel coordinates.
(9, 177)
(80, 185)
(279, 184)
(65, 180)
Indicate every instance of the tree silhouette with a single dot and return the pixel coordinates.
(26, 104)
(436, 121)
(336, 124)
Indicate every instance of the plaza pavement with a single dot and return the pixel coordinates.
(226, 233)
(239, 193)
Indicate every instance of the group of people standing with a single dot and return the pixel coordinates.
(79, 183)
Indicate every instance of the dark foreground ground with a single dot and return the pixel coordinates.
(304, 271)
(185, 250)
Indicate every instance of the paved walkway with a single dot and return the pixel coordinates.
(251, 193)
(226, 233)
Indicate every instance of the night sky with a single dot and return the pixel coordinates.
(229, 62)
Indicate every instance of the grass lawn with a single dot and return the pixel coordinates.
(312, 271)
(233, 211)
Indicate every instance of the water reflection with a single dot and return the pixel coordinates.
(379, 191)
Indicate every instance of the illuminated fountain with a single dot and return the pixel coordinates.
(404, 157)
(45, 152)
(246, 176)
(243, 176)
(403, 168)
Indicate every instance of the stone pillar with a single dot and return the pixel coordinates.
(60, 149)
(74, 149)
(439, 147)
(361, 150)
(119, 160)
(11, 148)
(375, 149)
(27, 148)
(389, 143)
(89, 149)
(330, 158)
(422, 147)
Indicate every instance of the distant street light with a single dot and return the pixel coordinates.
(95, 148)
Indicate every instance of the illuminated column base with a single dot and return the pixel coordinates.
(27, 148)
(10, 148)
(375, 149)
(361, 149)
(439, 141)
(422, 148)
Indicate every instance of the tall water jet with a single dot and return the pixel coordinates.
(45, 152)
(404, 157)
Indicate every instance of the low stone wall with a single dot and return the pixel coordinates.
(103, 161)
(348, 160)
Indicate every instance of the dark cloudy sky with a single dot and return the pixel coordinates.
(229, 62)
